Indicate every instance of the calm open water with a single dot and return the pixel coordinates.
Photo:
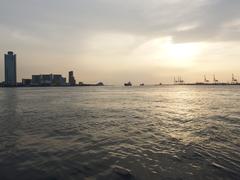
(165, 132)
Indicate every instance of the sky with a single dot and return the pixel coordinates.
(115, 41)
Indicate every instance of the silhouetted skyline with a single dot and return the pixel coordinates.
(115, 41)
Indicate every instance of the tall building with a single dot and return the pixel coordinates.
(72, 81)
(10, 69)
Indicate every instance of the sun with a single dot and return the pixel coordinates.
(182, 54)
(165, 52)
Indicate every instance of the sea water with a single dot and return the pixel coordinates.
(150, 132)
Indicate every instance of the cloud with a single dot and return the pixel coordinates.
(196, 20)
(97, 33)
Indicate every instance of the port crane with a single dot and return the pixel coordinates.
(234, 80)
(205, 79)
(175, 81)
(179, 80)
(214, 79)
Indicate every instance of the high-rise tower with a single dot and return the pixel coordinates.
(10, 69)
(72, 81)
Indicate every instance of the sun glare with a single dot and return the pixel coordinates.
(165, 52)
(182, 54)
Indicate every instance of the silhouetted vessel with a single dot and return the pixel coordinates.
(142, 84)
(128, 84)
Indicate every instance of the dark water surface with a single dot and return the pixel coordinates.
(166, 132)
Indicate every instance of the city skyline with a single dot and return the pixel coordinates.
(37, 80)
(10, 65)
(114, 42)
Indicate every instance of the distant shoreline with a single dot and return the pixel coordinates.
(97, 85)
(208, 84)
(21, 86)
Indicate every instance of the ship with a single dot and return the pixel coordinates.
(142, 84)
(128, 84)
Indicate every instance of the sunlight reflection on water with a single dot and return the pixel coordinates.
(165, 132)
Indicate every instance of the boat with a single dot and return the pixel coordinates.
(128, 84)
(158, 84)
(142, 84)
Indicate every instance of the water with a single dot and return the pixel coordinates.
(165, 132)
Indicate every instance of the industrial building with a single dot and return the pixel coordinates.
(48, 80)
(26, 82)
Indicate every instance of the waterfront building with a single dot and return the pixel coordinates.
(58, 80)
(80, 83)
(26, 82)
(72, 81)
(10, 69)
(48, 80)
(36, 80)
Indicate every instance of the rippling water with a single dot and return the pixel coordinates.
(165, 132)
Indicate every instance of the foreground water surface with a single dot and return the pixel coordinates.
(165, 132)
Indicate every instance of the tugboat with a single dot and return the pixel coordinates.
(158, 84)
(128, 84)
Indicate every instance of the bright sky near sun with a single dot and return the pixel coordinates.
(115, 41)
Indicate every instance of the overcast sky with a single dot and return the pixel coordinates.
(115, 41)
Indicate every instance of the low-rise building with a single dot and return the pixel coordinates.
(58, 80)
(26, 82)
(48, 80)
(36, 80)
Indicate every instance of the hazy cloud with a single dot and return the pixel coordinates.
(77, 29)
